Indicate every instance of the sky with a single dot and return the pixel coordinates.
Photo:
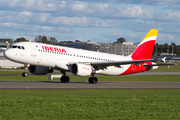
(96, 20)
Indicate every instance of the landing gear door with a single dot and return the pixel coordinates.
(33, 50)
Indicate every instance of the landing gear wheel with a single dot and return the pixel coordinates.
(93, 80)
(24, 74)
(64, 79)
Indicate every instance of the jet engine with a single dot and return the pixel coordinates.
(81, 69)
(38, 70)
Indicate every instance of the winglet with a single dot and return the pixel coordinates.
(164, 59)
(145, 48)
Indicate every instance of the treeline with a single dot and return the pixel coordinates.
(53, 40)
(40, 39)
(44, 39)
(165, 48)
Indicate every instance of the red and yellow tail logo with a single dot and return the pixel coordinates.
(145, 48)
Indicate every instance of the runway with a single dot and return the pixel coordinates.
(85, 85)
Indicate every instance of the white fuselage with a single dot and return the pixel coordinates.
(58, 57)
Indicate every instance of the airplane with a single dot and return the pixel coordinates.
(43, 58)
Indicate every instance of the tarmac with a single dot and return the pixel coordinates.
(85, 85)
(4, 85)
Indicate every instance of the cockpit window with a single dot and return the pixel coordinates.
(19, 47)
(14, 46)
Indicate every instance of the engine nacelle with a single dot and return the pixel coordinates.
(38, 70)
(81, 69)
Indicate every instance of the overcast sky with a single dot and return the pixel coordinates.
(95, 20)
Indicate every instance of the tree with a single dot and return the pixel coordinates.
(38, 39)
(44, 39)
(21, 40)
(53, 40)
(173, 44)
(121, 40)
(78, 41)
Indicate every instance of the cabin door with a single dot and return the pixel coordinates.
(33, 50)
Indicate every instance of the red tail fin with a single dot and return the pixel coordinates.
(145, 48)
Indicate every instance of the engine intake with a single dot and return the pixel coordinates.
(38, 70)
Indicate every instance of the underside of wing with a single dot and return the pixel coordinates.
(103, 65)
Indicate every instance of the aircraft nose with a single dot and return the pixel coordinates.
(7, 54)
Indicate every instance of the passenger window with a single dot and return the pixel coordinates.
(23, 48)
(19, 47)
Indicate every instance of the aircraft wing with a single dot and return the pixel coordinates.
(102, 65)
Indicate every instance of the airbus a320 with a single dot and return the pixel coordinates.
(43, 58)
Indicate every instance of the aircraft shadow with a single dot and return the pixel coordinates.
(64, 83)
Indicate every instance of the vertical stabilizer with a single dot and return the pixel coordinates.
(145, 48)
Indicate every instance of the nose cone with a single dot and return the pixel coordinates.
(7, 54)
(12, 55)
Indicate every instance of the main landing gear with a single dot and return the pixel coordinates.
(93, 80)
(24, 74)
(64, 78)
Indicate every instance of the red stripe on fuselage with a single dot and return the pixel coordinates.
(143, 51)
(135, 69)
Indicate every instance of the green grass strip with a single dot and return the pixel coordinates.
(93, 104)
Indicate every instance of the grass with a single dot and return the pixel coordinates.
(171, 68)
(154, 78)
(98, 104)
(89, 104)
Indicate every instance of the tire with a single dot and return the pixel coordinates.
(64, 79)
(24, 74)
(93, 80)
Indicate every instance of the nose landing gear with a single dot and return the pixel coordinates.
(24, 74)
